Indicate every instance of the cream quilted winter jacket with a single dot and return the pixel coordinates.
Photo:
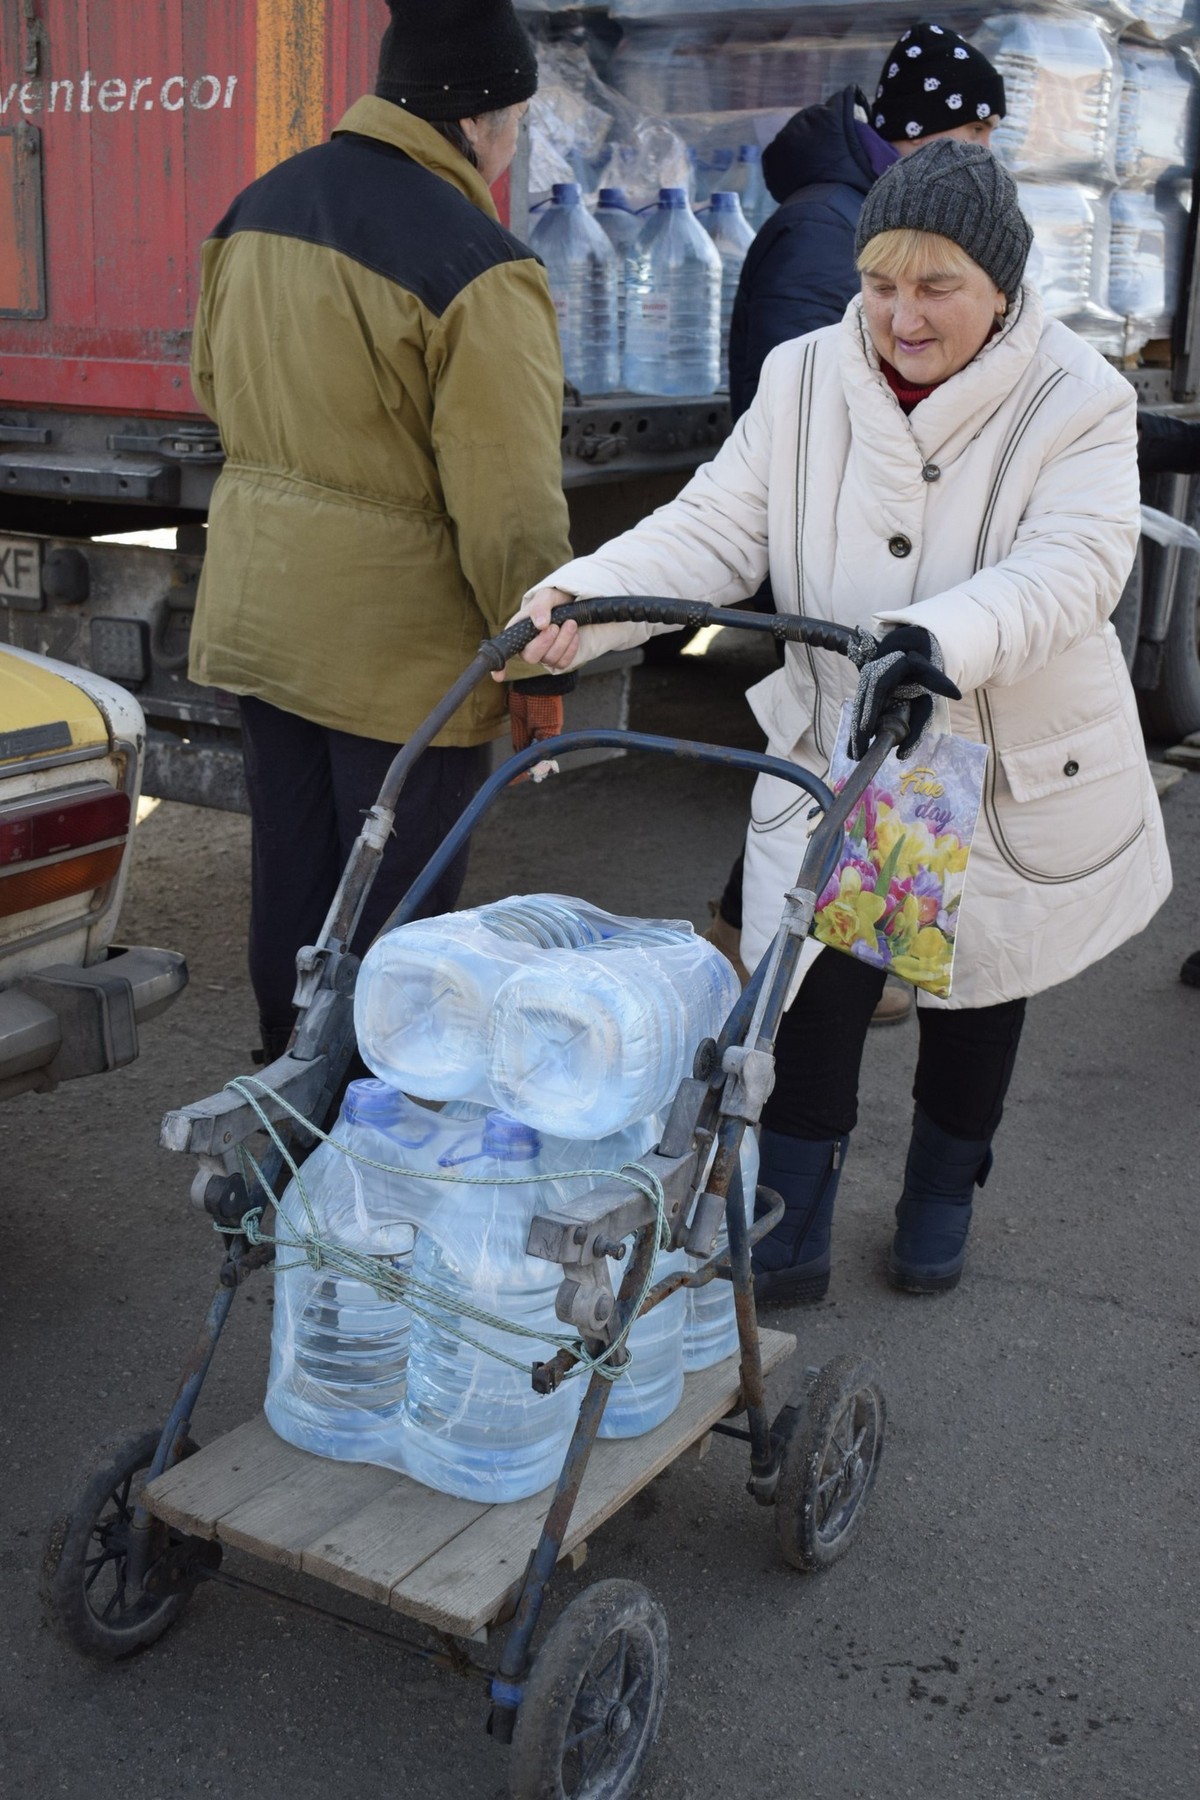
(1003, 516)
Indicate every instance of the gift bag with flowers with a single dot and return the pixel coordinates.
(894, 896)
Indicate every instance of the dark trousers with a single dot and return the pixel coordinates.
(309, 788)
(964, 1063)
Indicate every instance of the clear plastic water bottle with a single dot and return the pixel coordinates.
(582, 268)
(583, 1044)
(649, 1390)
(339, 1350)
(423, 1000)
(746, 180)
(727, 227)
(1061, 89)
(621, 226)
(425, 993)
(673, 303)
(710, 1332)
(473, 1425)
(1137, 264)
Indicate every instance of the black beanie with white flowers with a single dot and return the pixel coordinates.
(932, 81)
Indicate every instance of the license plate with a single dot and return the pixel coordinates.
(20, 571)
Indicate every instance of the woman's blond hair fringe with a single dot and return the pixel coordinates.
(912, 255)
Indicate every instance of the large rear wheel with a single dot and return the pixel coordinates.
(594, 1698)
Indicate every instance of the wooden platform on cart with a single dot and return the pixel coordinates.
(452, 1564)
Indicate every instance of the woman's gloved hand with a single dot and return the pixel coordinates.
(906, 666)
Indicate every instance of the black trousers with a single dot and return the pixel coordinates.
(964, 1063)
(309, 787)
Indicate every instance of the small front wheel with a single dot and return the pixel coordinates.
(594, 1698)
(84, 1586)
(830, 1449)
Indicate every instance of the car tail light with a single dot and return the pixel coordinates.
(55, 848)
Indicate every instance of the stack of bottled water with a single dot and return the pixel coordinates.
(596, 1019)
(729, 231)
(673, 303)
(1155, 149)
(581, 266)
(1058, 138)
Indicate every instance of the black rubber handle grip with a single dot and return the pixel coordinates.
(619, 609)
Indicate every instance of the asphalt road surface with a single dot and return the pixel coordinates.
(1017, 1621)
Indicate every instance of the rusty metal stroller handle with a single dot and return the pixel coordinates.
(649, 609)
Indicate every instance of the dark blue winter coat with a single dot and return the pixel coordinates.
(799, 273)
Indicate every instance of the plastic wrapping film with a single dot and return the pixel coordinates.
(573, 1020)
(428, 1387)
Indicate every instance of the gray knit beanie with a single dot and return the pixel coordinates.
(960, 192)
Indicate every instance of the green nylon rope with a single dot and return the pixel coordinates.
(390, 1283)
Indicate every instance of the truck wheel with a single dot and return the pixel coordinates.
(1172, 709)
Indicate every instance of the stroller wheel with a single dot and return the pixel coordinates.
(84, 1587)
(831, 1443)
(594, 1698)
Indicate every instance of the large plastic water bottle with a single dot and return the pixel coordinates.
(1137, 265)
(339, 1351)
(582, 268)
(649, 1390)
(710, 1332)
(425, 993)
(746, 180)
(622, 227)
(733, 236)
(585, 1043)
(673, 303)
(473, 1424)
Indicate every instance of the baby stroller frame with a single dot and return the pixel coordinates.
(583, 1713)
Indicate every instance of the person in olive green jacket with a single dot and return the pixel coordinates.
(382, 359)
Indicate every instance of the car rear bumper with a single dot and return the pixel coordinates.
(65, 1021)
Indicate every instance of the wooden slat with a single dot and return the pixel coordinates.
(280, 1521)
(195, 1495)
(453, 1564)
(466, 1584)
(372, 1550)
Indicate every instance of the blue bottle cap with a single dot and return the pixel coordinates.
(372, 1103)
(672, 196)
(507, 1140)
(614, 197)
(749, 153)
(566, 193)
(722, 202)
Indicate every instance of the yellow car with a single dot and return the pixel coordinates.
(71, 751)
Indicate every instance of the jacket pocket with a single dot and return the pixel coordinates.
(1063, 808)
(784, 713)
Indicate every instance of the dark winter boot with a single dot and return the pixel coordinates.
(791, 1264)
(934, 1213)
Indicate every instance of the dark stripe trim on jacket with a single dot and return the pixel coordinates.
(373, 203)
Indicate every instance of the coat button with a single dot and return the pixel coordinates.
(899, 546)
(931, 472)
(1070, 768)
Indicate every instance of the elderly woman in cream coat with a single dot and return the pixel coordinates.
(958, 474)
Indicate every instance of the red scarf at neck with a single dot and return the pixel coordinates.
(907, 393)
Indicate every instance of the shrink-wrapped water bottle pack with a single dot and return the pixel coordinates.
(523, 1050)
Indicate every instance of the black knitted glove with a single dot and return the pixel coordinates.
(906, 666)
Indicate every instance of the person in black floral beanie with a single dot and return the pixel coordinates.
(934, 84)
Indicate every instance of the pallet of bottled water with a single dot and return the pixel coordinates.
(524, 1052)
